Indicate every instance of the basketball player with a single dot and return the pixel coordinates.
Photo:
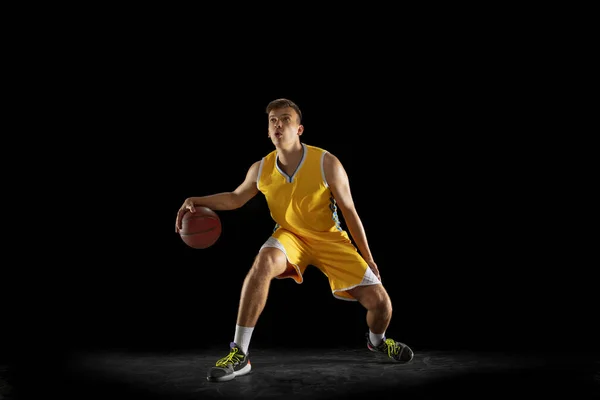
(304, 187)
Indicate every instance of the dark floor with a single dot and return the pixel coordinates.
(314, 374)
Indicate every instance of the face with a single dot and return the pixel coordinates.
(283, 126)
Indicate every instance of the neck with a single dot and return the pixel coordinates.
(286, 153)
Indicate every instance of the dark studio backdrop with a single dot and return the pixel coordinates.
(447, 189)
(448, 172)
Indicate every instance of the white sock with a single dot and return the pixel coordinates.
(242, 337)
(376, 338)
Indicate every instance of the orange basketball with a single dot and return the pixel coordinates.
(200, 229)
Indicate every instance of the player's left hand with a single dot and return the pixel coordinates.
(374, 268)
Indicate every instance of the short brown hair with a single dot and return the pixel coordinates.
(283, 103)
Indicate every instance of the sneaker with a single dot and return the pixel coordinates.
(235, 364)
(395, 350)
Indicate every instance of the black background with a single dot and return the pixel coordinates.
(452, 164)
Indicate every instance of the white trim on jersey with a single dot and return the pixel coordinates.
(287, 177)
(369, 278)
(323, 169)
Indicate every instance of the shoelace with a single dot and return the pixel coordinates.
(232, 358)
(392, 347)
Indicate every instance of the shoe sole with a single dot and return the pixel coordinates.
(229, 377)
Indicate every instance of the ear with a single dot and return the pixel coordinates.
(300, 130)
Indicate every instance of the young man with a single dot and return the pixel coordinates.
(304, 186)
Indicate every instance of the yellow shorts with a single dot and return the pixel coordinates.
(338, 260)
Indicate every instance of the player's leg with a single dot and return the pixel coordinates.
(280, 257)
(269, 263)
(379, 313)
(351, 279)
(375, 299)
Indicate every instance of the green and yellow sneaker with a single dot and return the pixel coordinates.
(395, 350)
(235, 364)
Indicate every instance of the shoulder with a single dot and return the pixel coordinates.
(256, 164)
(254, 170)
(333, 170)
(330, 161)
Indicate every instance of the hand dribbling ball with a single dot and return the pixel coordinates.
(200, 229)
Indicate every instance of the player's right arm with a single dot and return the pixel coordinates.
(223, 201)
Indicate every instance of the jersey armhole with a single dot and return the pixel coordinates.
(260, 168)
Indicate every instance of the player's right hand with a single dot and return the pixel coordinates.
(188, 205)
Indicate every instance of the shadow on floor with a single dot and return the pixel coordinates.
(314, 374)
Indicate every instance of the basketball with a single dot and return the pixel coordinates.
(200, 229)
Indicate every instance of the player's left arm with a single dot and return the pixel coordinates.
(338, 182)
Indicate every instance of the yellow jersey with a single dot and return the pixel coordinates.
(301, 203)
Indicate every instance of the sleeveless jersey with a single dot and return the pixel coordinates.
(301, 203)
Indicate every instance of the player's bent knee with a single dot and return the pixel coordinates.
(373, 297)
(384, 303)
(270, 261)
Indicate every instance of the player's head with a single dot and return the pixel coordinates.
(285, 103)
(285, 122)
